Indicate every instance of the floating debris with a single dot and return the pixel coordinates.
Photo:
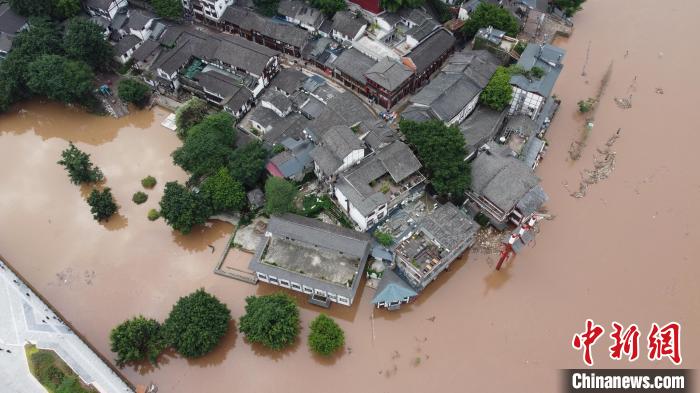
(578, 145)
(603, 166)
(623, 103)
(659, 90)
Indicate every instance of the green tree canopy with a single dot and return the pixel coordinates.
(326, 337)
(102, 204)
(267, 7)
(84, 40)
(189, 114)
(33, 7)
(208, 145)
(383, 238)
(570, 7)
(80, 169)
(168, 9)
(137, 339)
(279, 195)
(60, 79)
(395, 5)
(196, 324)
(247, 164)
(223, 192)
(329, 7)
(271, 320)
(487, 14)
(183, 209)
(441, 149)
(498, 92)
(134, 91)
(67, 8)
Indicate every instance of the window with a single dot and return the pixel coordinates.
(262, 277)
(296, 287)
(284, 283)
(308, 289)
(319, 292)
(343, 300)
(332, 296)
(273, 280)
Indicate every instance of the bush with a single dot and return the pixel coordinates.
(482, 220)
(326, 336)
(537, 72)
(271, 320)
(134, 91)
(196, 324)
(137, 339)
(80, 169)
(148, 182)
(102, 204)
(279, 196)
(153, 214)
(486, 15)
(384, 239)
(585, 106)
(139, 197)
(498, 92)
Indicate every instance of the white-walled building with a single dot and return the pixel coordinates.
(211, 10)
(106, 8)
(530, 92)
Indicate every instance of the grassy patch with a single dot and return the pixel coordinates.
(54, 374)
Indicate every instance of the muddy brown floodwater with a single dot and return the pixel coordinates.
(627, 251)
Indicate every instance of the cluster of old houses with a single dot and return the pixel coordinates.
(319, 117)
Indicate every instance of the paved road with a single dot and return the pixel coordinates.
(25, 318)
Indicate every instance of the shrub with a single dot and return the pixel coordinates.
(139, 197)
(196, 324)
(153, 214)
(482, 220)
(148, 182)
(134, 91)
(537, 72)
(585, 106)
(279, 196)
(498, 92)
(102, 204)
(271, 320)
(383, 238)
(326, 336)
(136, 339)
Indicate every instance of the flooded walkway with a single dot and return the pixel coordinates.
(624, 252)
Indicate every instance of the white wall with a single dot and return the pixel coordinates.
(464, 112)
(351, 159)
(354, 214)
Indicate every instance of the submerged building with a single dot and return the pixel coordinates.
(306, 255)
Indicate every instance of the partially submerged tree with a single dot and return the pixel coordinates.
(383, 238)
(190, 114)
(137, 339)
(326, 336)
(208, 145)
(183, 209)
(84, 40)
(80, 169)
(168, 9)
(486, 15)
(247, 164)
(196, 324)
(441, 150)
(134, 91)
(271, 320)
(570, 7)
(279, 195)
(223, 192)
(102, 204)
(498, 92)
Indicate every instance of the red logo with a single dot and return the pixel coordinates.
(662, 342)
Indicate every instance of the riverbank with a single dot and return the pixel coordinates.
(623, 252)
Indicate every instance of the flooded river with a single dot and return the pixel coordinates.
(625, 252)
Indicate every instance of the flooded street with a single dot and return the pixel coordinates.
(624, 252)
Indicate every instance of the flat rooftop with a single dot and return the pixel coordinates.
(316, 262)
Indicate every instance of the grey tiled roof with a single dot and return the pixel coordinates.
(301, 11)
(99, 4)
(354, 63)
(5, 41)
(347, 24)
(281, 31)
(427, 52)
(392, 288)
(334, 145)
(446, 95)
(146, 49)
(423, 30)
(477, 65)
(389, 74)
(481, 127)
(501, 178)
(397, 159)
(138, 19)
(377, 133)
(316, 232)
(126, 43)
(288, 80)
(10, 21)
(293, 161)
(449, 226)
(277, 99)
(548, 58)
